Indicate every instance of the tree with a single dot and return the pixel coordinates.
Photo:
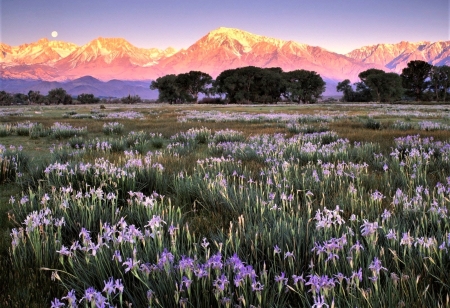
(20, 99)
(384, 87)
(131, 99)
(59, 96)
(445, 81)
(6, 99)
(303, 86)
(167, 88)
(237, 84)
(268, 85)
(87, 99)
(440, 81)
(371, 71)
(414, 78)
(345, 86)
(191, 84)
(362, 93)
(35, 97)
(250, 84)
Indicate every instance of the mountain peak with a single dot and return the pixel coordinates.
(43, 41)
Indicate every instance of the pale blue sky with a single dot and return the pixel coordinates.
(336, 25)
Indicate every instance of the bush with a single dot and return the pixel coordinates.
(370, 123)
(213, 100)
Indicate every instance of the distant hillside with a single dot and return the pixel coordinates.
(86, 84)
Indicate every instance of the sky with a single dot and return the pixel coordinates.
(336, 25)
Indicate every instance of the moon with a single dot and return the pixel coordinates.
(54, 34)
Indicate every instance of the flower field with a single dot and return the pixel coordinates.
(246, 206)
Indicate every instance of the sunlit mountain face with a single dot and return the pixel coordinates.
(221, 49)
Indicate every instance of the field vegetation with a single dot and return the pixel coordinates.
(323, 205)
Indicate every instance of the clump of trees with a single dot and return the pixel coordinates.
(375, 85)
(59, 96)
(242, 85)
(419, 80)
(182, 88)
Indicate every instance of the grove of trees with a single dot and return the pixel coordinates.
(420, 81)
(242, 85)
(59, 96)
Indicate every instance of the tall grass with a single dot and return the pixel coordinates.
(212, 218)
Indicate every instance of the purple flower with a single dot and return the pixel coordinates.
(235, 262)
(276, 249)
(85, 234)
(215, 261)
(391, 235)
(64, 251)
(406, 239)
(257, 286)
(186, 281)
(376, 266)
(298, 278)
(319, 302)
(71, 298)
(56, 303)
(130, 264)
(186, 263)
(109, 286)
(357, 247)
(369, 228)
(118, 285)
(166, 257)
(281, 278)
(220, 283)
(117, 256)
(89, 294)
(289, 255)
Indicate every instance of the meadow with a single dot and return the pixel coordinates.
(323, 205)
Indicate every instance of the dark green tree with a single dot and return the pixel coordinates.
(85, 98)
(268, 85)
(237, 84)
(371, 71)
(20, 99)
(167, 89)
(362, 92)
(191, 84)
(131, 99)
(59, 96)
(345, 87)
(414, 78)
(384, 87)
(445, 81)
(250, 84)
(6, 99)
(303, 86)
(440, 81)
(35, 97)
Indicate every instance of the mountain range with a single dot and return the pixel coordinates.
(44, 64)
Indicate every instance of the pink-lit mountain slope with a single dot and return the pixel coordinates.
(397, 56)
(40, 52)
(226, 48)
(220, 49)
(112, 58)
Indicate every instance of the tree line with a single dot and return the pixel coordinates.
(242, 85)
(60, 96)
(419, 80)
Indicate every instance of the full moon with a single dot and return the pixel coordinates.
(54, 34)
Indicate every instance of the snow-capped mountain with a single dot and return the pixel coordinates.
(40, 52)
(397, 56)
(220, 49)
